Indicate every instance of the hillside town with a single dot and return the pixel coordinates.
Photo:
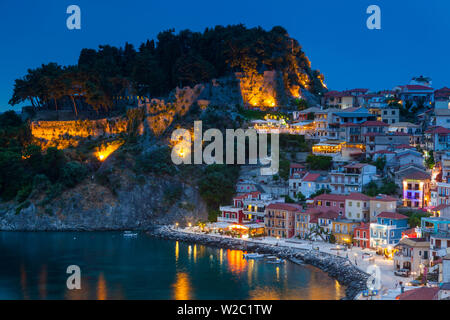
(385, 191)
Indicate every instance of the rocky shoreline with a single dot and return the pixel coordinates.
(338, 268)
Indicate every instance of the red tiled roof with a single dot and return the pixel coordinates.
(328, 215)
(391, 215)
(440, 207)
(374, 124)
(416, 87)
(358, 196)
(311, 177)
(438, 130)
(442, 93)
(284, 206)
(417, 175)
(351, 124)
(383, 197)
(422, 293)
(297, 165)
(331, 197)
(363, 226)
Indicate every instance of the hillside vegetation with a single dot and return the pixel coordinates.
(102, 77)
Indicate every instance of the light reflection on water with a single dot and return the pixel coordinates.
(33, 266)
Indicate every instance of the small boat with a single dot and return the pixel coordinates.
(130, 234)
(274, 259)
(253, 256)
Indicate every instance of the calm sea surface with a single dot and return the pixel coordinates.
(33, 266)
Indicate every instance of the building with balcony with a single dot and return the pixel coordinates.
(416, 189)
(412, 254)
(387, 230)
(357, 207)
(280, 219)
(437, 140)
(361, 235)
(381, 203)
(309, 184)
(442, 98)
(334, 202)
(343, 230)
(413, 130)
(439, 246)
(352, 177)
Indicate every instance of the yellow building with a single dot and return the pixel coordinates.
(343, 230)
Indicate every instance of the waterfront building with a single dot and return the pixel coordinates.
(387, 230)
(343, 230)
(361, 235)
(280, 219)
(412, 254)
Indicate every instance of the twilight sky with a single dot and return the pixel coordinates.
(414, 39)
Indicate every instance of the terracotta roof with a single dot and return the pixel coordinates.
(284, 206)
(422, 293)
(416, 175)
(383, 197)
(351, 124)
(416, 87)
(440, 207)
(438, 130)
(311, 177)
(374, 124)
(364, 226)
(358, 196)
(328, 215)
(331, 197)
(391, 215)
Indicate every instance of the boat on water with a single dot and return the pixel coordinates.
(130, 234)
(253, 255)
(276, 261)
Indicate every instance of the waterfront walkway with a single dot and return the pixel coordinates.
(361, 258)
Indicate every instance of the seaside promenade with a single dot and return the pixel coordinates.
(361, 258)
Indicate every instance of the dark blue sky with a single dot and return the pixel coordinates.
(414, 38)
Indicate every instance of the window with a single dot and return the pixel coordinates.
(349, 203)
